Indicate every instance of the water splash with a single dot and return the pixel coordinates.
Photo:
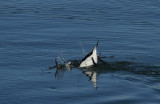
(123, 67)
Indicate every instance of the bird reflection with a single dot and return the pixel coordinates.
(92, 77)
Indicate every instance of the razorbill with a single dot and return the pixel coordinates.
(91, 58)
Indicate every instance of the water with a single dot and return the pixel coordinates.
(34, 33)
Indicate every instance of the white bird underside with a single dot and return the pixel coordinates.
(90, 59)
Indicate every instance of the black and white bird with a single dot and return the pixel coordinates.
(90, 59)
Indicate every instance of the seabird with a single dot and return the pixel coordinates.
(91, 58)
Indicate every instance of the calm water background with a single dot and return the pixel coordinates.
(34, 32)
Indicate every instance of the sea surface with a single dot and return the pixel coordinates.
(33, 33)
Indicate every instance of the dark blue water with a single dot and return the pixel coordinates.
(35, 32)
